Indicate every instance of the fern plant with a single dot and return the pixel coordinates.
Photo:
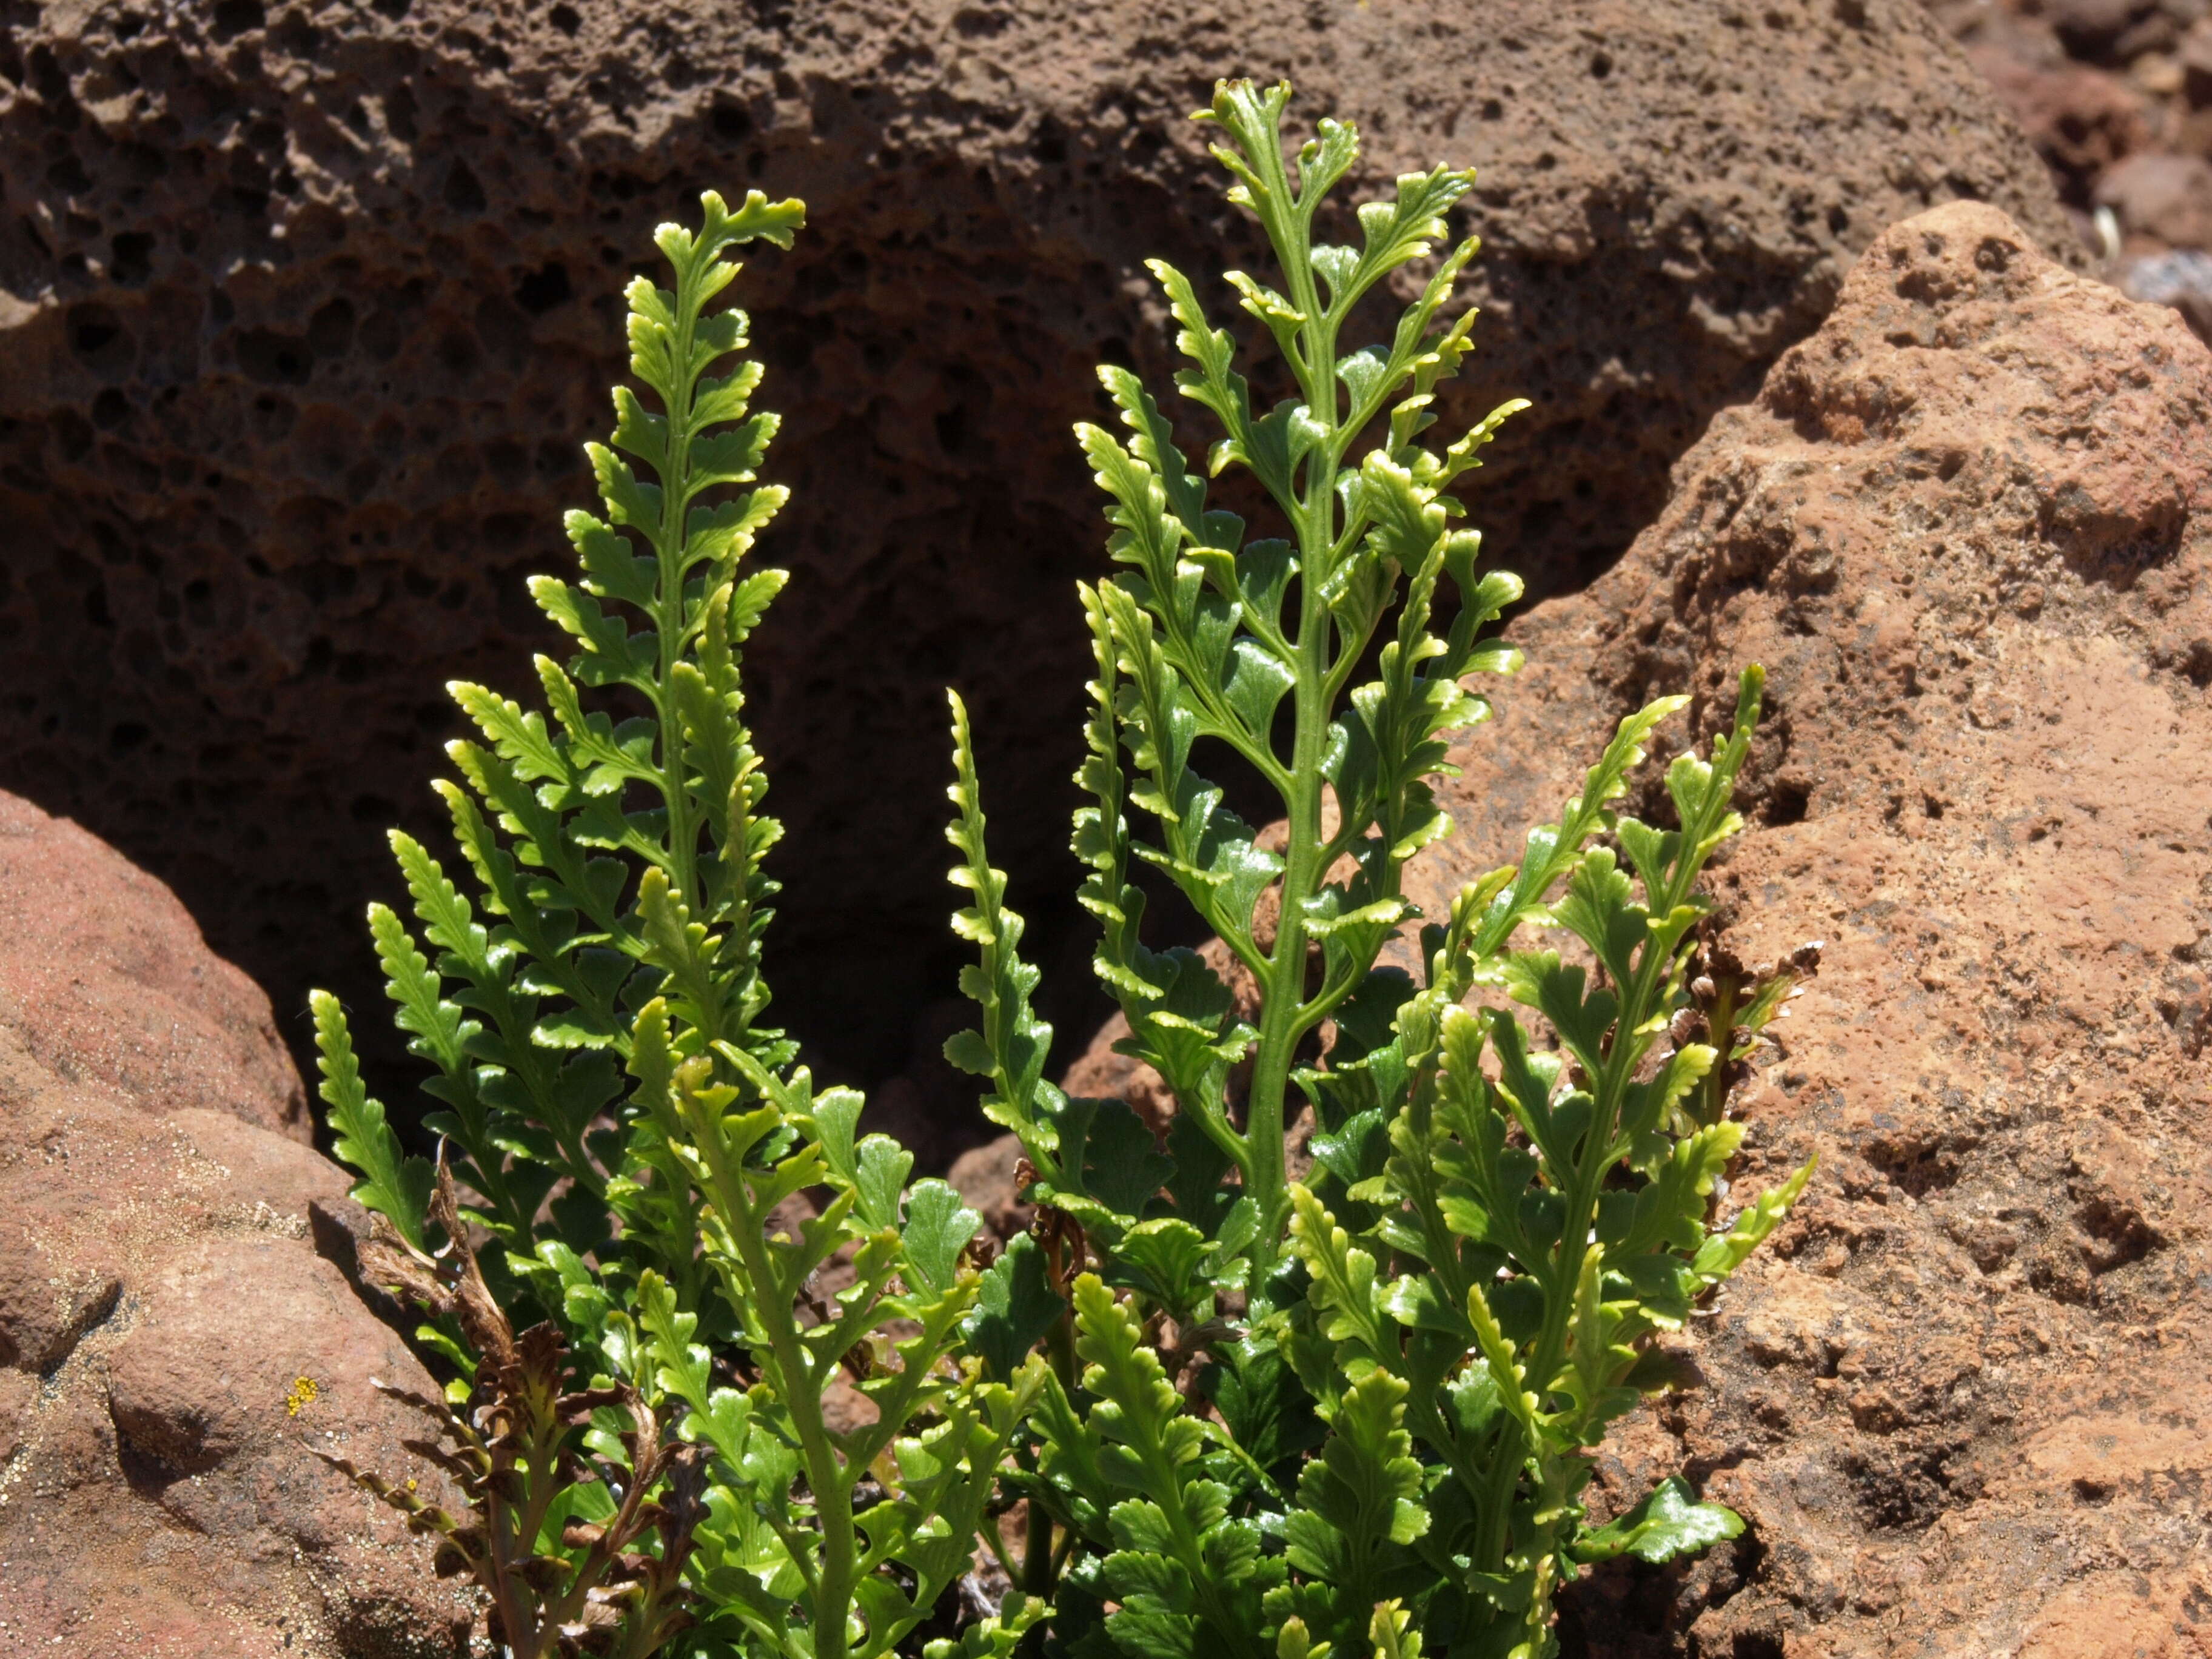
(631, 1137)
(1353, 1410)
(1250, 1415)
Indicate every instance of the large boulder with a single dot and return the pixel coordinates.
(1967, 526)
(172, 1341)
(307, 305)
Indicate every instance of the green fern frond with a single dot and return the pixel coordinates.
(588, 989)
(393, 1185)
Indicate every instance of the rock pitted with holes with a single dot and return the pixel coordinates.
(306, 307)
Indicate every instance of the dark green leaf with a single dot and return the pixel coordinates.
(1016, 1306)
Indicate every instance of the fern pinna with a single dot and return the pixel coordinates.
(630, 1133)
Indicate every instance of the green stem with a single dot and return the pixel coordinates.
(1505, 1465)
(825, 1475)
(1285, 1018)
(1036, 1553)
(668, 600)
(1041, 1562)
(1284, 984)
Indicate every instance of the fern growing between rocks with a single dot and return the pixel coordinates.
(1356, 1410)
(633, 1140)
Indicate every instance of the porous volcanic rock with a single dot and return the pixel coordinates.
(1967, 526)
(306, 308)
(1962, 1397)
(161, 1297)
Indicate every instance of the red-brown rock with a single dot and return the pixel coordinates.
(2166, 198)
(104, 976)
(2080, 120)
(161, 1301)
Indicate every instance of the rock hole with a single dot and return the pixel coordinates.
(95, 334)
(235, 18)
(1600, 65)
(952, 430)
(53, 88)
(131, 257)
(1915, 1162)
(330, 331)
(564, 19)
(2193, 662)
(463, 193)
(976, 23)
(1787, 804)
(67, 174)
(273, 359)
(729, 121)
(72, 434)
(2118, 1235)
(542, 290)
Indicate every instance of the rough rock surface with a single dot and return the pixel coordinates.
(161, 1298)
(105, 976)
(1968, 528)
(307, 305)
(1962, 1398)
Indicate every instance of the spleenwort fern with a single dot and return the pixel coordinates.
(1368, 1418)
(775, 1396)
(625, 1127)
(1208, 635)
